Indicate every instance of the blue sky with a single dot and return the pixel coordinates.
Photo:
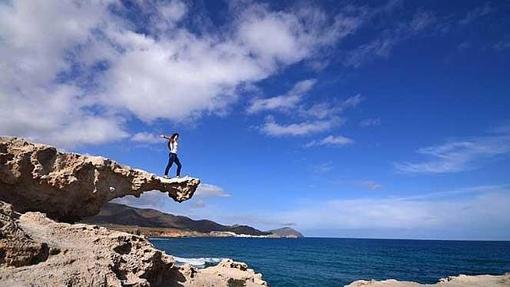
(381, 119)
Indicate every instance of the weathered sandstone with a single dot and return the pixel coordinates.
(40, 186)
(452, 281)
(37, 251)
(68, 186)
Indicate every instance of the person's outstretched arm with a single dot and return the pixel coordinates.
(165, 137)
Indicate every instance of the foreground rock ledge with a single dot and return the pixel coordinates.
(68, 186)
(37, 251)
(452, 281)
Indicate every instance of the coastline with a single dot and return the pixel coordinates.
(460, 280)
(339, 262)
(161, 232)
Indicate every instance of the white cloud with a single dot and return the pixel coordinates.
(209, 190)
(458, 156)
(205, 194)
(352, 102)
(146, 138)
(211, 68)
(318, 118)
(324, 110)
(272, 128)
(172, 11)
(294, 36)
(53, 90)
(36, 37)
(477, 214)
(331, 141)
(283, 102)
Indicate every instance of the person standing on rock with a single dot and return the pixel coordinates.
(172, 156)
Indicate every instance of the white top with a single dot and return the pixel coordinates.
(173, 147)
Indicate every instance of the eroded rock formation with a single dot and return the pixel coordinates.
(37, 251)
(68, 186)
(452, 281)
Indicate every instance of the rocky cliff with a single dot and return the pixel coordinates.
(68, 186)
(40, 186)
(37, 251)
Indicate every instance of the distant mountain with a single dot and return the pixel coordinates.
(286, 232)
(150, 219)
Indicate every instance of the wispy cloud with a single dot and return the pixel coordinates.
(146, 138)
(331, 141)
(314, 118)
(479, 213)
(460, 155)
(205, 194)
(210, 190)
(476, 13)
(382, 45)
(323, 110)
(283, 102)
(352, 102)
(503, 44)
(273, 128)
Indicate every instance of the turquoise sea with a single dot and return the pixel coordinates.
(335, 262)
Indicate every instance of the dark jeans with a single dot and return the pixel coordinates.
(172, 157)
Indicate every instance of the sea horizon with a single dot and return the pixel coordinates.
(332, 261)
(329, 237)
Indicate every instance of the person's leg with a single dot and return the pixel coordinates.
(169, 164)
(179, 165)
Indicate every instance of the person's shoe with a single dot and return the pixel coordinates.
(166, 176)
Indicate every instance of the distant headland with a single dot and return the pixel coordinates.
(154, 223)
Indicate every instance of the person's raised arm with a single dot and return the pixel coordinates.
(165, 137)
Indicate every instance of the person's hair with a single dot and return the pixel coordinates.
(174, 135)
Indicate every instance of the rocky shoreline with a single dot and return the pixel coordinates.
(452, 281)
(37, 251)
(43, 191)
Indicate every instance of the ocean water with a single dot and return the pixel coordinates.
(336, 262)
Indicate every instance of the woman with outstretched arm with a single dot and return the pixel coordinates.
(172, 156)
